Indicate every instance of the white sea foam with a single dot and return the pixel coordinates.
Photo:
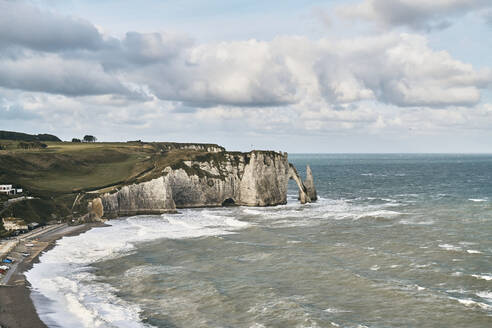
(77, 299)
(420, 266)
(487, 277)
(467, 243)
(142, 271)
(380, 214)
(450, 247)
(477, 200)
(487, 295)
(472, 251)
(471, 303)
(253, 257)
(257, 325)
(335, 310)
(295, 214)
(414, 222)
(252, 211)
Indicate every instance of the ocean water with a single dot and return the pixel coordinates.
(394, 241)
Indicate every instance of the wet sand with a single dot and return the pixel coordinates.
(16, 306)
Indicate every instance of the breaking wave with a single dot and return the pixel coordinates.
(66, 292)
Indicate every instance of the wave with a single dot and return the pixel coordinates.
(149, 270)
(471, 303)
(335, 310)
(64, 275)
(450, 247)
(414, 222)
(385, 214)
(487, 277)
(295, 215)
(486, 295)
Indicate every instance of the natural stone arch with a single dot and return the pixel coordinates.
(303, 196)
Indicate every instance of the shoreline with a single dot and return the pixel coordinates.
(16, 306)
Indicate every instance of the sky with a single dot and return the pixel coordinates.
(302, 76)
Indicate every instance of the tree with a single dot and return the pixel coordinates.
(89, 138)
(76, 140)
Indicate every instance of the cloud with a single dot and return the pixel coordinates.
(298, 127)
(416, 14)
(243, 73)
(402, 70)
(13, 111)
(25, 25)
(397, 69)
(53, 74)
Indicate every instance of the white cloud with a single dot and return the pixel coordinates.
(416, 14)
(54, 74)
(22, 24)
(397, 69)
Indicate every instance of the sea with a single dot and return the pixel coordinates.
(395, 240)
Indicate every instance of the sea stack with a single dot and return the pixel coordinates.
(309, 184)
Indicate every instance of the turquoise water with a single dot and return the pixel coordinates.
(394, 241)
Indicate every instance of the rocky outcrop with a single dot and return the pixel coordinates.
(151, 197)
(211, 148)
(309, 184)
(253, 179)
(257, 178)
(95, 210)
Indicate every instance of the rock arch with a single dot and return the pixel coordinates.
(303, 195)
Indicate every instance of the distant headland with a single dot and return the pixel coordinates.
(85, 181)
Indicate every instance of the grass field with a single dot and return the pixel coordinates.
(66, 167)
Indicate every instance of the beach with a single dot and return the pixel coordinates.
(16, 306)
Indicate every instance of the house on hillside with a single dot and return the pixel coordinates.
(9, 190)
(13, 224)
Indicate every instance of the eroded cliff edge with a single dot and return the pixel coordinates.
(257, 178)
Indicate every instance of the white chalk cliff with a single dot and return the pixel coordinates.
(257, 178)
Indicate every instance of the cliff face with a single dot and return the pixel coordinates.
(258, 178)
(152, 197)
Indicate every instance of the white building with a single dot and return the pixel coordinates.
(10, 224)
(7, 189)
